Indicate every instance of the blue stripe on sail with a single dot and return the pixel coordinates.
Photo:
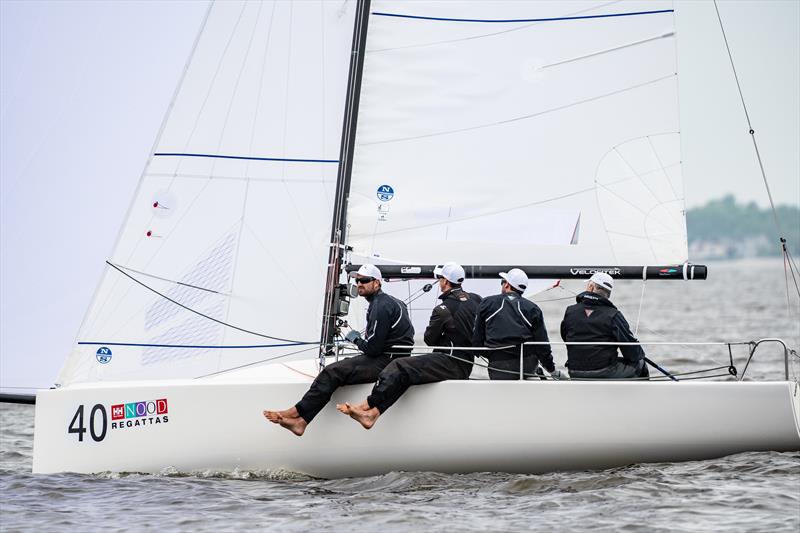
(193, 346)
(609, 15)
(247, 158)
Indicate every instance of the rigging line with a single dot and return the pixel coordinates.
(246, 158)
(168, 280)
(523, 117)
(481, 36)
(641, 301)
(792, 268)
(747, 117)
(792, 263)
(231, 369)
(506, 21)
(204, 315)
(119, 301)
(481, 215)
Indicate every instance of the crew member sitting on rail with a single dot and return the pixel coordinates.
(507, 320)
(388, 324)
(450, 325)
(595, 318)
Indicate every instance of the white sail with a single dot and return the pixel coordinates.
(519, 133)
(231, 218)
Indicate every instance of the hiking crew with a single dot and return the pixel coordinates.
(388, 324)
(450, 325)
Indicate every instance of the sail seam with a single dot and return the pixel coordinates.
(523, 117)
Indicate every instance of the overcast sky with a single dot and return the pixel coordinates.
(84, 87)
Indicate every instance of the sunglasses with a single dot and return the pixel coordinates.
(364, 281)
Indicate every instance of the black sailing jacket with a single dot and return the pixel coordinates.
(452, 320)
(595, 318)
(388, 324)
(508, 319)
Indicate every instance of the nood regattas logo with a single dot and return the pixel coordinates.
(136, 414)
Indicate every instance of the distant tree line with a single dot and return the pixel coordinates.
(725, 229)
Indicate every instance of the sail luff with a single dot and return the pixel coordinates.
(107, 270)
(339, 222)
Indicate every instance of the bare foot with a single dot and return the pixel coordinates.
(343, 408)
(365, 417)
(289, 413)
(272, 416)
(296, 425)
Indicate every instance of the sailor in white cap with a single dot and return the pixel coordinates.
(450, 326)
(507, 320)
(595, 318)
(388, 325)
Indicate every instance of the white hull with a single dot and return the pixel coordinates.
(457, 426)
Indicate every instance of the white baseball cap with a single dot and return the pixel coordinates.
(367, 271)
(452, 272)
(516, 278)
(601, 279)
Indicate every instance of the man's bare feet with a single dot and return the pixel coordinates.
(296, 425)
(289, 413)
(366, 417)
(272, 416)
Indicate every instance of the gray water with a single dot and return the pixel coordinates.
(746, 492)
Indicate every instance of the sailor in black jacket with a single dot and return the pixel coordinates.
(595, 318)
(388, 324)
(450, 326)
(505, 321)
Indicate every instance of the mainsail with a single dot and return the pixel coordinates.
(517, 133)
(231, 219)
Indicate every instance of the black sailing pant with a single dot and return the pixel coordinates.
(349, 371)
(504, 364)
(400, 374)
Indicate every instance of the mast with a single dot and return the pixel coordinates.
(339, 223)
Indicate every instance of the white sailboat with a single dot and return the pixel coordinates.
(534, 134)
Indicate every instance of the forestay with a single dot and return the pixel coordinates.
(232, 214)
